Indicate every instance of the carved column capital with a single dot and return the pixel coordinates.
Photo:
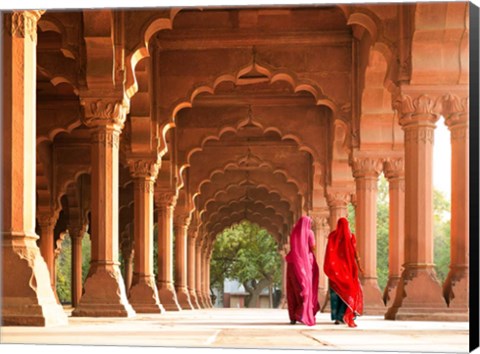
(182, 220)
(456, 113)
(47, 220)
(366, 167)
(394, 167)
(420, 109)
(166, 198)
(144, 168)
(23, 24)
(338, 199)
(104, 112)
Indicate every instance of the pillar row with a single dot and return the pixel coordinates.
(33, 303)
(198, 272)
(191, 269)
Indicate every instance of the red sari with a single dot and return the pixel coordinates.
(342, 270)
(302, 274)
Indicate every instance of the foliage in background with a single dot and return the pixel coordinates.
(248, 254)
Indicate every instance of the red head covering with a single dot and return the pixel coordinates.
(341, 267)
(302, 240)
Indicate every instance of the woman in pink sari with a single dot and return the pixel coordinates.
(302, 274)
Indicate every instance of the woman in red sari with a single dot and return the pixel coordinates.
(341, 267)
(302, 274)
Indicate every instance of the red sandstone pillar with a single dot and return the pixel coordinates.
(166, 289)
(394, 171)
(47, 225)
(283, 301)
(126, 248)
(143, 294)
(198, 272)
(104, 293)
(321, 229)
(181, 226)
(419, 294)
(191, 270)
(26, 293)
(366, 171)
(455, 289)
(76, 235)
(209, 258)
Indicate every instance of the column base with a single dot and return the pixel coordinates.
(167, 296)
(183, 298)
(193, 299)
(455, 291)
(372, 297)
(200, 300)
(104, 295)
(390, 290)
(419, 298)
(27, 295)
(143, 295)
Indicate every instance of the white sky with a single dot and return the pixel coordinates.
(442, 157)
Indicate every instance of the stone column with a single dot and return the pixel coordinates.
(419, 294)
(47, 225)
(455, 289)
(198, 273)
(321, 229)
(181, 226)
(366, 171)
(166, 290)
(26, 294)
(283, 300)
(76, 235)
(394, 172)
(104, 290)
(208, 260)
(143, 294)
(126, 247)
(191, 271)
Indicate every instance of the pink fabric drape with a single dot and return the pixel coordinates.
(301, 263)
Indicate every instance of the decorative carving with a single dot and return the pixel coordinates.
(106, 137)
(249, 161)
(459, 133)
(366, 167)
(394, 167)
(421, 108)
(23, 24)
(182, 220)
(144, 168)
(166, 198)
(455, 110)
(100, 112)
(338, 199)
(144, 184)
(46, 220)
(419, 135)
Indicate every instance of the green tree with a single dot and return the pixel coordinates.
(63, 270)
(248, 254)
(382, 231)
(441, 234)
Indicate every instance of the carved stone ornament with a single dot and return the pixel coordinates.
(422, 108)
(182, 220)
(99, 112)
(106, 137)
(143, 168)
(420, 135)
(394, 167)
(23, 24)
(455, 110)
(46, 220)
(366, 166)
(339, 199)
(166, 198)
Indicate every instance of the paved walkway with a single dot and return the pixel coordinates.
(249, 328)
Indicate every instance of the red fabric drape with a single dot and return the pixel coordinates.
(302, 274)
(341, 268)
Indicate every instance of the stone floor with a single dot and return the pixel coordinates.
(246, 328)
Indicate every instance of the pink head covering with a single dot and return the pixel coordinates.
(302, 240)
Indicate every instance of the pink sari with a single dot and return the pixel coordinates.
(302, 274)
